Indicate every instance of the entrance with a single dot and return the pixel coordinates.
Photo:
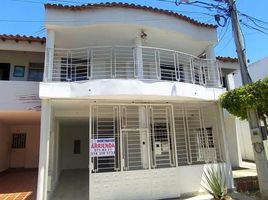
(143, 137)
(4, 71)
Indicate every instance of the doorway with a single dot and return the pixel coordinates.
(4, 71)
(73, 159)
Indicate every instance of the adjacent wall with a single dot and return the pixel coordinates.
(4, 147)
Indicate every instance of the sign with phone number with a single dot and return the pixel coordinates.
(102, 147)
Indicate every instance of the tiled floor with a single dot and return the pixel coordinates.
(18, 184)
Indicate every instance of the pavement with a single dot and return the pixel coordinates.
(246, 169)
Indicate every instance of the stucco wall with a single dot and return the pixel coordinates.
(5, 143)
(69, 160)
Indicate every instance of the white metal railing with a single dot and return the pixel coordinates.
(130, 62)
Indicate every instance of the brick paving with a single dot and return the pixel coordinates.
(18, 184)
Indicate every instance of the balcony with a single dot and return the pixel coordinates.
(130, 62)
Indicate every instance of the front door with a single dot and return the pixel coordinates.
(17, 159)
(134, 130)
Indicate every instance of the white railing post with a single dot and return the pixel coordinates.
(49, 55)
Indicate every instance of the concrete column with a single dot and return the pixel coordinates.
(49, 56)
(143, 136)
(210, 54)
(44, 150)
(228, 167)
(138, 59)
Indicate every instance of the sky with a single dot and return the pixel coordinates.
(26, 17)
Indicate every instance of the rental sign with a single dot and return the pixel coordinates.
(102, 147)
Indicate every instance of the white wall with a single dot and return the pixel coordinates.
(150, 184)
(233, 136)
(69, 160)
(31, 152)
(244, 139)
(257, 71)
(5, 147)
(127, 89)
(19, 96)
(113, 18)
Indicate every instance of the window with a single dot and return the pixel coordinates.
(77, 146)
(206, 146)
(18, 71)
(36, 71)
(205, 137)
(18, 141)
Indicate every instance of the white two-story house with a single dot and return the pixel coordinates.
(129, 103)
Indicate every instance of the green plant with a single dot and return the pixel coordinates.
(250, 96)
(214, 182)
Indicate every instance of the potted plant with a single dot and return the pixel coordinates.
(214, 182)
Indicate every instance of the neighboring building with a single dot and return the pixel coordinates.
(240, 140)
(21, 69)
(129, 108)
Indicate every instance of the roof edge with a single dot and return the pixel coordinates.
(227, 59)
(23, 38)
(131, 6)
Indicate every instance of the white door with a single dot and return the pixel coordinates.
(18, 147)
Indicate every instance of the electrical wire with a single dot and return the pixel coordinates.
(254, 28)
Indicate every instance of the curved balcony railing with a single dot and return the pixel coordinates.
(128, 62)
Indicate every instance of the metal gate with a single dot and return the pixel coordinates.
(161, 136)
(143, 134)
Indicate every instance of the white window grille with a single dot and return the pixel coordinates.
(195, 137)
(36, 71)
(151, 136)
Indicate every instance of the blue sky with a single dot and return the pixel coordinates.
(26, 17)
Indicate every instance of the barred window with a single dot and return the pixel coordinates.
(36, 71)
(19, 140)
(77, 146)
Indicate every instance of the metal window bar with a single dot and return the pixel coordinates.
(181, 135)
